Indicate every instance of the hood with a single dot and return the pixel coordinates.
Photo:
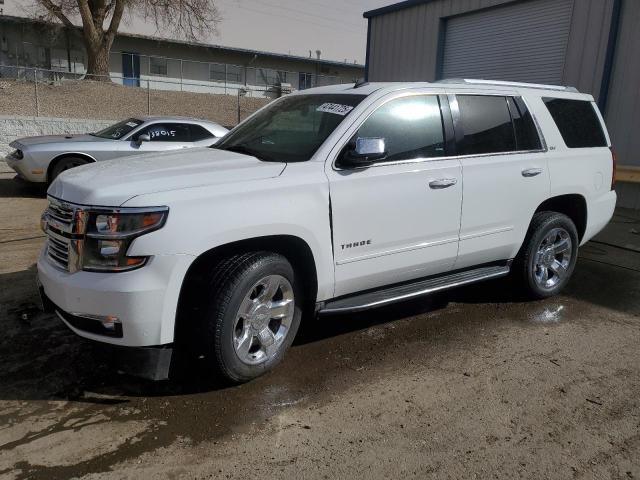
(113, 182)
(43, 139)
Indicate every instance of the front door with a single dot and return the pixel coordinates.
(398, 219)
(131, 69)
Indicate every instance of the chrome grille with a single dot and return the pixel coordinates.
(61, 212)
(60, 221)
(58, 249)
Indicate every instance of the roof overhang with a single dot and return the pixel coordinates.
(394, 8)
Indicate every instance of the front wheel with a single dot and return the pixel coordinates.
(64, 165)
(548, 255)
(252, 316)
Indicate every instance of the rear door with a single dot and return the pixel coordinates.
(505, 174)
(398, 219)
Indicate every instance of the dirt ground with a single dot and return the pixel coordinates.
(473, 384)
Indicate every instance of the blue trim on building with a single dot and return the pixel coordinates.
(612, 42)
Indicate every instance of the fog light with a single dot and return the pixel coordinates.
(110, 322)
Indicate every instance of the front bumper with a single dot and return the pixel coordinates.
(26, 170)
(144, 301)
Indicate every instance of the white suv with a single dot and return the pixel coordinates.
(335, 199)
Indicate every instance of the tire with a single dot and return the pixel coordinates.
(65, 164)
(544, 270)
(240, 337)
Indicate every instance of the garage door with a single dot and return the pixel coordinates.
(524, 42)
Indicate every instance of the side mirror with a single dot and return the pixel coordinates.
(143, 138)
(366, 151)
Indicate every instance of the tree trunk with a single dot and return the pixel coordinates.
(98, 63)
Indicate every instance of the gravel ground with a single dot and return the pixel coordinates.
(474, 384)
(100, 100)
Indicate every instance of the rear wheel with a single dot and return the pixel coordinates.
(548, 255)
(252, 316)
(66, 164)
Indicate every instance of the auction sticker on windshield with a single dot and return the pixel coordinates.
(336, 108)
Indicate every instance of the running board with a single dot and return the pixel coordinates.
(378, 298)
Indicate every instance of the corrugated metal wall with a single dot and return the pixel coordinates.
(623, 104)
(522, 41)
(405, 45)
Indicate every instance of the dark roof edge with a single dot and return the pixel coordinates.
(394, 8)
(284, 56)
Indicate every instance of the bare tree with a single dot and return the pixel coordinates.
(189, 19)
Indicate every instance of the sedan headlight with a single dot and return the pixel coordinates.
(110, 233)
(17, 154)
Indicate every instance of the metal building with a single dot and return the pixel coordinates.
(593, 45)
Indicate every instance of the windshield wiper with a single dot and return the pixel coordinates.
(246, 151)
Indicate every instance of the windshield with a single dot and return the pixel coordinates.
(292, 128)
(119, 130)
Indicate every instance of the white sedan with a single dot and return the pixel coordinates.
(43, 158)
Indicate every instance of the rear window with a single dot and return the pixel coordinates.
(577, 121)
(527, 138)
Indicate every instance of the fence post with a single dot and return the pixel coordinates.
(238, 105)
(35, 83)
(148, 98)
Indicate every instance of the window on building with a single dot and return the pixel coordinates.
(167, 132)
(411, 126)
(577, 121)
(270, 77)
(217, 72)
(527, 137)
(158, 66)
(305, 80)
(234, 74)
(220, 72)
(486, 125)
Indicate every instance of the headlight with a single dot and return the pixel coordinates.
(110, 233)
(17, 154)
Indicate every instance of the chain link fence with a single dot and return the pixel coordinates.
(33, 91)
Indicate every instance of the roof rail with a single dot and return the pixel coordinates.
(503, 83)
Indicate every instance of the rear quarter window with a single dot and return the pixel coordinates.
(577, 122)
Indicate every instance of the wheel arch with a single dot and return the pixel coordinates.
(572, 205)
(62, 156)
(296, 250)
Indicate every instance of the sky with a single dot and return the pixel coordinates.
(335, 27)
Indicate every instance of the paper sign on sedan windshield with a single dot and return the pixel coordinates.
(336, 108)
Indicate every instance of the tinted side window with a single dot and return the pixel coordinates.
(199, 133)
(168, 132)
(577, 121)
(527, 137)
(411, 126)
(486, 124)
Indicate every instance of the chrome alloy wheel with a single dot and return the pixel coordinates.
(552, 258)
(263, 320)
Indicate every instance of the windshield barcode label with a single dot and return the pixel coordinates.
(336, 108)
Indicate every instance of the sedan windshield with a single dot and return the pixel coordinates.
(292, 128)
(119, 130)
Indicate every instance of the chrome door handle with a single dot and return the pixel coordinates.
(442, 183)
(531, 172)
